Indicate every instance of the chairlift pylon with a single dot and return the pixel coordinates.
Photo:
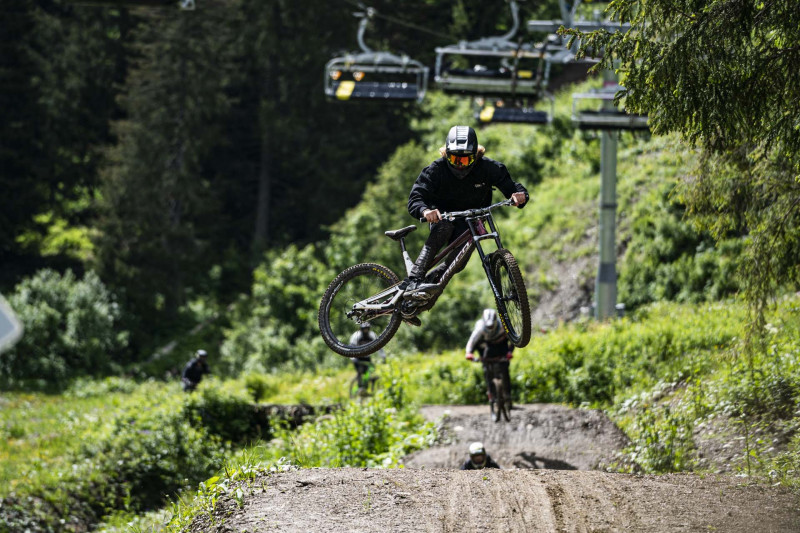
(370, 75)
(607, 117)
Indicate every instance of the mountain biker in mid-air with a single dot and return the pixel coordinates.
(491, 339)
(461, 179)
(478, 458)
(363, 365)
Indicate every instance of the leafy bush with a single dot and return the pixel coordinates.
(375, 433)
(225, 415)
(276, 327)
(144, 450)
(669, 259)
(88, 388)
(147, 454)
(259, 386)
(662, 440)
(71, 329)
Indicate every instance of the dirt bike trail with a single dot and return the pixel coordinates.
(406, 500)
(550, 485)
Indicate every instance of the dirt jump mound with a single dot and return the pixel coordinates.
(538, 436)
(546, 451)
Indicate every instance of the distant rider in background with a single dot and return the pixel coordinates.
(364, 335)
(194, 370)
(489, 336)
(478, 458)
(463, 178)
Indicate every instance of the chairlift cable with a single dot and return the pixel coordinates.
(375, 13)
(414, 26)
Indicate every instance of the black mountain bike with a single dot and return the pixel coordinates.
(364, 384)
(500, 403)
(370, 292)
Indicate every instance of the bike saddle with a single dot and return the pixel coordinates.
(398, 234)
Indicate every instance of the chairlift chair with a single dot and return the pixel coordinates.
(500, 111)
(490, 75)
(493, 66)
(510, 76)
(605, 118)
(370, 75)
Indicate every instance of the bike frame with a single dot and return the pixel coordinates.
(469, 240)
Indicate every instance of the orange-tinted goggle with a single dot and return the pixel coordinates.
(461, 161)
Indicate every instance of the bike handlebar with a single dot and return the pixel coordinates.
(501, 359)
(472, 212)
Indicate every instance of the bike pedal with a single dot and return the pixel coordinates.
(414, 321)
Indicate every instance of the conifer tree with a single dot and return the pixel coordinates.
(159, 206)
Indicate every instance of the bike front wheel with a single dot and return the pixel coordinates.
(338, 319)
(512, 302)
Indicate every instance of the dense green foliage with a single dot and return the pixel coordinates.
(669, 259)
(58, 81)
(154, 441)
(723, 73)
(133, 454)
(72, 328)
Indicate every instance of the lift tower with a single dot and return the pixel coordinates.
(608, 121)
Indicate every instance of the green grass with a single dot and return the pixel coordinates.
(39, 431)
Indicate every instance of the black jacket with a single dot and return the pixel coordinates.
(437, 187)
(489, 464)
(194, 370)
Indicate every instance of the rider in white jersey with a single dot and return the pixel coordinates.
(490, 338)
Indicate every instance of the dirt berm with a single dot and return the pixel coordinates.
(546, 485)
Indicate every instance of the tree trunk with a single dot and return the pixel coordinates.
(270, 102)
(263, 199)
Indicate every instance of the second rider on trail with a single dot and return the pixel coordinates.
(462, 179)
(491, 340)
(364, 365)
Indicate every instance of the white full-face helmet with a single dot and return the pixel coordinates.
(491, 322)
(477, 454)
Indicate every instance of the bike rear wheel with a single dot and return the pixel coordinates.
(355, 388)
(499, 399)
(353, 285)
(506, 408)
(512, 304)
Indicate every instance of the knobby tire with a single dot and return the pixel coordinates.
(499, 398)
(512, 305)
(333, 324)
(354, 388)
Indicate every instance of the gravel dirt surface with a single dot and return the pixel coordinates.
(548, 453)
(538, 436)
